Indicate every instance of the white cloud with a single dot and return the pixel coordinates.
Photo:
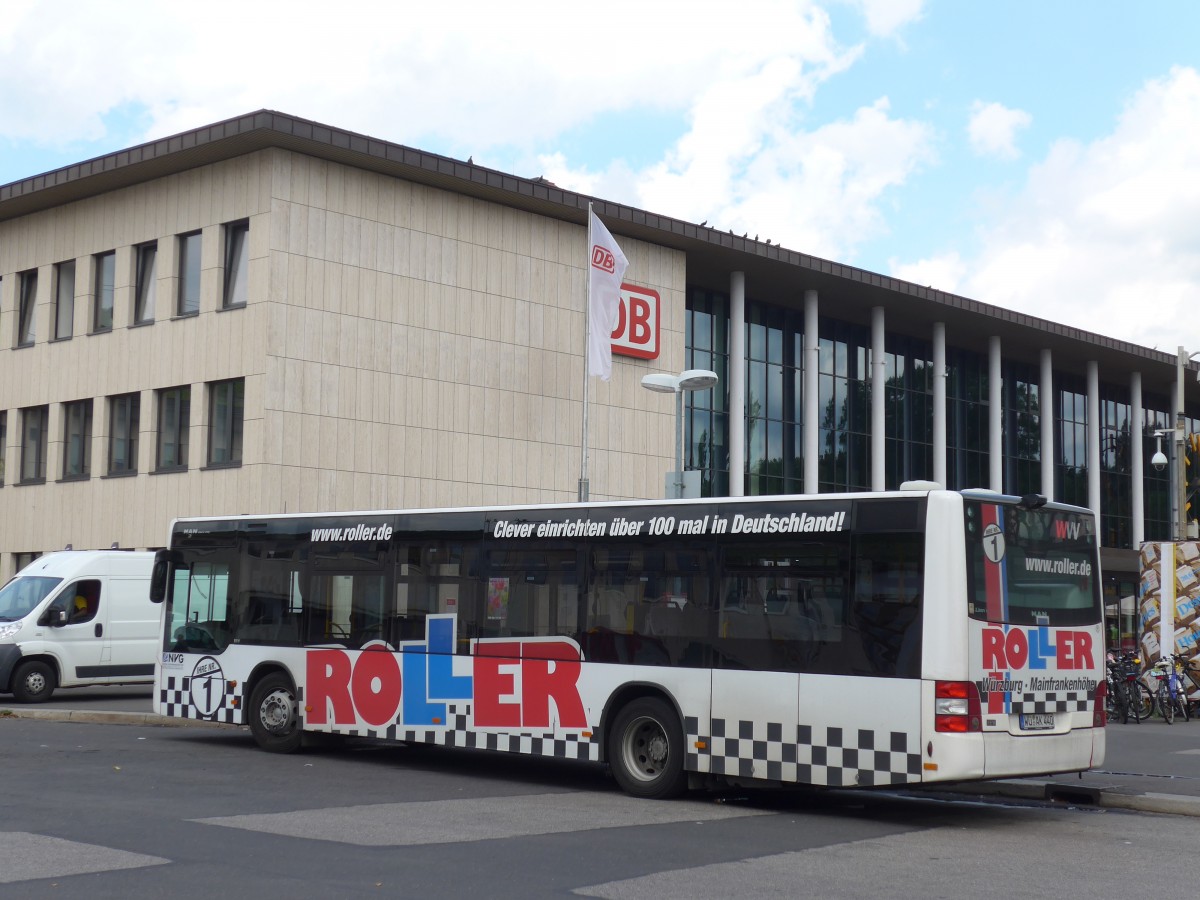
(993, 128)
(886, 17)
(942, 273)
(482, 75)
(1103, 236)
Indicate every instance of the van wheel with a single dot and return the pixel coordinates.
(273, 716)
(33, 682)
(645, 750)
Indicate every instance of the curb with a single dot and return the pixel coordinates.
(1086, 796)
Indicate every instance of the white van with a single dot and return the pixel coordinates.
(78, 617)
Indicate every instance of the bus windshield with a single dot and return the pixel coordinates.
(1031, 567)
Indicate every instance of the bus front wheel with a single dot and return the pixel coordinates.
(273, 716)
(646, 750)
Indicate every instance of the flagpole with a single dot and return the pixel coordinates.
(587, 338)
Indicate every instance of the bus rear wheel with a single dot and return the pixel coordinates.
(646, 750)
(33, 682)
(274, 720)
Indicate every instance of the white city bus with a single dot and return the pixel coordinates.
(845, 640)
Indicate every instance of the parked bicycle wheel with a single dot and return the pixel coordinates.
(1166, 705)
(1131, 699)
(1145, 701)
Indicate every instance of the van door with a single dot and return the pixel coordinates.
(80, 642)
(132, 632)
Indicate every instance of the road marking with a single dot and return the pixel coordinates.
(459, 821)
(25, 856)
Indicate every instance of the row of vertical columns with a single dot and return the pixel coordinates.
(878, 376)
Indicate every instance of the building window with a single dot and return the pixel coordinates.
(237, 262)
(174, 411)
(34, 421)
(968, 423)
(843, 391)
(226, 401)
(106, 270)
(24, 559)
(123, 417)
(27, 285)
(1116, 467)
(706, 445)
(1156, 484)
(1071, 470)
(77, 439)
(3, 441)
(64, 299)
(189, 275)
(144, 284)
(774, 441)
(1022, 430)
(908, 411)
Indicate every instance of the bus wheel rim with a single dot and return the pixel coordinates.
(277, 711)
(645, 749)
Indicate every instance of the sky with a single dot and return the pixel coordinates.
(1039, 156)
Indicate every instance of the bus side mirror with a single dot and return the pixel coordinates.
(159, 575)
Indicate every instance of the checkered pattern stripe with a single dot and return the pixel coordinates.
(458, 733)
(833, 757)
(1054, 702)
(176, 700)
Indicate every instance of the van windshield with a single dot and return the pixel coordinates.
(21, 596)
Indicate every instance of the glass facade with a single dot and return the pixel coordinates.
(908, 386)
(843, 406)
(774, 371)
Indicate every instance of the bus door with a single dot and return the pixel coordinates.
(763, 634)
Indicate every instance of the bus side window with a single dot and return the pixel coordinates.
(887, 602)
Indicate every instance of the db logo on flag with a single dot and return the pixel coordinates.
(603, 259)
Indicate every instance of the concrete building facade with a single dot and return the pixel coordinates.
(272, 315)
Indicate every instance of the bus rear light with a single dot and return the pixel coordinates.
(956, 708)
(1099, 709)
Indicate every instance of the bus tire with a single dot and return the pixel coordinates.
(33, 681)
(646, 750)
(274, 719)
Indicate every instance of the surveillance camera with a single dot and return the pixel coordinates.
(1159, 460)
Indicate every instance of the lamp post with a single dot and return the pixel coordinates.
(1173, 462)
(687, 380)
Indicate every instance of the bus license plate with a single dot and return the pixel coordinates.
(1037, 721)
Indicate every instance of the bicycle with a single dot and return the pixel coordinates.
(1127, 696)
(1191, 669)
(1169, 695)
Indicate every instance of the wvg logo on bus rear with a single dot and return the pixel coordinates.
(1020, 648)
(512, 682)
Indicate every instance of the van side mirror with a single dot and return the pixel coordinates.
(160, 574)
(58, 618)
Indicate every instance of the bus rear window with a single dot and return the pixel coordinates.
(1031, 567)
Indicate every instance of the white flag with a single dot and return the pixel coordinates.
(606, 268)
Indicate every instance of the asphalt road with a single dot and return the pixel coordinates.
(97, 810)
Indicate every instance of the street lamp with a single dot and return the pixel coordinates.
(687, 380)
